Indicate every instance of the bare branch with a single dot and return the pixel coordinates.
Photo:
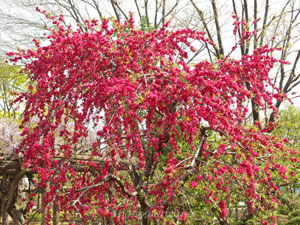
(216, 17)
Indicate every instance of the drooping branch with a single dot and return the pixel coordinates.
(199, 150)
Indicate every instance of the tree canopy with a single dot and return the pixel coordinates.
(127, 132)
(275, 24)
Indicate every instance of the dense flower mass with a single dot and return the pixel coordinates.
(127, 131)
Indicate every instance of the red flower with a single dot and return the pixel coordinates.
(193, 184)
(223, 208)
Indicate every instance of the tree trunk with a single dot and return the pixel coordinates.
(44, 207)
(3, 212)
(145, 209)
(16, 215)
(56, 211)
(3, 201)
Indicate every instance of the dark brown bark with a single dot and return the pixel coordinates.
(44, 207)
(4, 185)
(56, 211)
(255, 111)
(264, 23)
(145, 209)
(9, 192)
(218, 28)
(16, 215)
(12, 166)
(255, 25)
(13, 190)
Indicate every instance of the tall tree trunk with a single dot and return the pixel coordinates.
(56, 211)
(3, 201)
(145, 209)
(44, 207)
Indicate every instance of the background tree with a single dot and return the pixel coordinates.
(11, 83)
(289, 126)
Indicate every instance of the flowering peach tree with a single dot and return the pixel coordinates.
(128, 133)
